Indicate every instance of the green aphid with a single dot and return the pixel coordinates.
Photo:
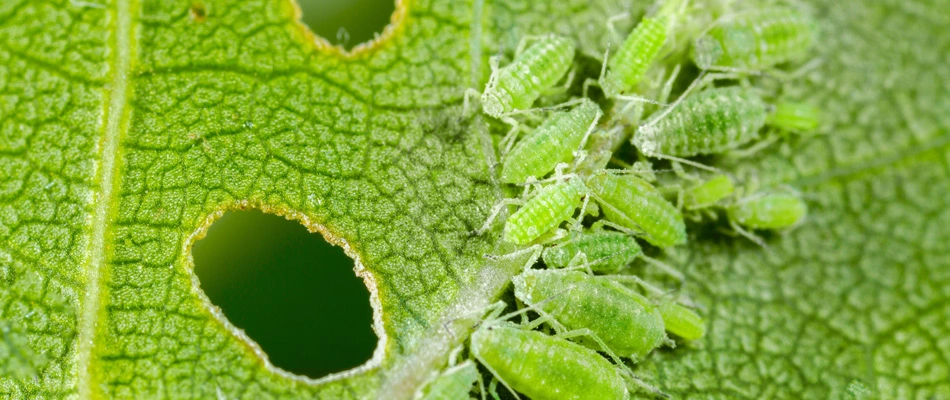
(551, 143)
(634, 204)
(544, 367)
(534, 71)
(796, 117)
(771, 210)
(639, 51)
(756, 40)
(548, 208)
(682, 321)
(626, 322)
(453, 384)
(708, 193)
(605, 252)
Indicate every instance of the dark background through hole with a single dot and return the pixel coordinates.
(362, 19)
(292, 292)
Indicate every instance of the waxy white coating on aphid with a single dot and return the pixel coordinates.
(552, 205)
(605, 251)
(626, 321)
(777, 210)
(517, 85)
(453, 384)
(709, 193)
(553, 142)
(635, 204)
(545, 367)
(638, 51)
(756, 40)
(709, 122)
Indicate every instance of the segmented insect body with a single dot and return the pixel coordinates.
(627, 322)
(606, 251)
(775, 210)
(552, 205)
(629, 65)
(633, 203)
(517, 85)
(709, 193)
(792, 116)
(709, 122)
(453, 384)
(681, 321)
(756, 40)
(551, 143)
(545, 367)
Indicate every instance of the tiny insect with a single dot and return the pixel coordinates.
(603, 251)
(682, 321)
(454, 383)
(632, 204)
(769, 210)
(708, 193)
(624, 321)
(554, 141)
(535, 70)
(756, 40)
(794, 116)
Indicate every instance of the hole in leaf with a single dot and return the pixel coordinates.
(290, 290)
(347, 22)
(198, 12)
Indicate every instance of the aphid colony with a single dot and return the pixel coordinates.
(584, 316)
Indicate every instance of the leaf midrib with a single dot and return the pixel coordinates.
(115, 111)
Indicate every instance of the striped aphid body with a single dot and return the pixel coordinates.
(538, 68)
(548, 208)
(682, 321)
(769, 210)
(454, 383)
(636, 54)
(544, 367)
(635, 204)
(553, 142)
(756, 40)
(604, 251)
(628, 323)
(709, 122)
(708, 193)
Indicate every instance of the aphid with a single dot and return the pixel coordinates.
(709, 122)
(542, 212)
(626, 322)
(798, 117)
(453, 384)
(638, 51)
(708, 193)
(756, 40)
(603, 251)
(773, 210)
(553, 142)
(634, 204)
(533, 71)
(682, 321)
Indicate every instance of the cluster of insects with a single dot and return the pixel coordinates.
(591, 204)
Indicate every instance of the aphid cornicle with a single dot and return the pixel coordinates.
(634, 204)
(606, 252)
(545, 367)
(549, 207)
(553, 142)
(453, 384)
(625, 321)
(756, 40)
(709, 122)
(774, 210)
(517, 85)
(709, 192)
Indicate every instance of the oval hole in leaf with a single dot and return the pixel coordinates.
(290, 290)
(347, 22)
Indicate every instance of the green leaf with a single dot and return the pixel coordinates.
(126, 128)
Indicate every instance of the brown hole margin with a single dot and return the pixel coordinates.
(395, 25)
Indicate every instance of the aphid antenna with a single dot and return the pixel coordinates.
(749, 235)
(496, 210)
(754, 149)
(496, 378)
(665, 268)
(687, 162)
(634, 380)
(600, 224)
(523, 42)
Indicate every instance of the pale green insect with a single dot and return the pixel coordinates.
(756, 40)
(635, 205)
(535, 70)
(548, 208)
(773, 210)
(708, 193)
(453, 384)
(798, 117)
(682, 321)
(553, 142)
(600, 251)
(626, 322)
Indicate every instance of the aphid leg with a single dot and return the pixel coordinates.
(667, 269)
(466, 102)
(512, 136)
(600, 224)
(562, 88)
(585, 332)
(755, 148)
(587, 84)
(633, 380)
(494, 214)
(481, 386)
(525, 40)
(796, 73)
(685, 161)
(534, 251)
(580, 262)
(748, 235)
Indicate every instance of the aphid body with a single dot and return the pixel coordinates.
(709, 122)
(709, 193)
(453, 384)
(545, 367)
(775, 210)
(635, 204)
(605, 251)
(553, 204)
(553, 142)
(681, 321)
(627, 322)
(793, 116)
(756, 40)
(517, 85)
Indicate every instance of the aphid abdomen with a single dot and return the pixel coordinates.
(553, 142)
(709, 122)
(545, 367)
(800, 117)
(545, 211)
(682, 321)
(769, 211)
(614, 250)
(519, 84)
(455, 383)
(628, 323)
(628, 66)
(709, 192)
(756, 40)
(635, 204)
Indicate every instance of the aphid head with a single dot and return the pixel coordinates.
(706, 52)
(645, 140)
(496, 102)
